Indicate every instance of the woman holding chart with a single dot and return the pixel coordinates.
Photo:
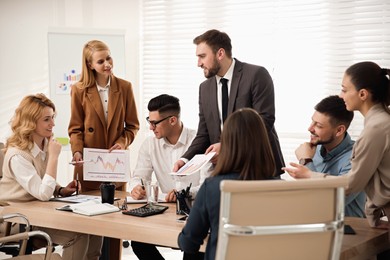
(103, 111)
(30, 171)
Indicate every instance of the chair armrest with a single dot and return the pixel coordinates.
(16, 215)
(42, 234)
(15, 237)
(24, 236)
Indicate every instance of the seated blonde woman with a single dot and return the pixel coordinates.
(30, 170)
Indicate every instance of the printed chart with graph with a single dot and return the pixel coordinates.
(194, 165)
(100, 165)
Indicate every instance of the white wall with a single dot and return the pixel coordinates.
(24, 25)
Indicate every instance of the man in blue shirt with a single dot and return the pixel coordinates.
(330, 147)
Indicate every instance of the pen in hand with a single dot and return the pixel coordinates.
(77, 184)
(143, 186)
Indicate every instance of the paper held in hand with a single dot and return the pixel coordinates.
(194, 165)
(287, 177)
(90, 208)
(104, 166)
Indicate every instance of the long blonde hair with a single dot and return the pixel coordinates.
(87, 77)
(24, 121)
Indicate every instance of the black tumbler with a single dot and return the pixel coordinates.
(107, 190)
(183, 204)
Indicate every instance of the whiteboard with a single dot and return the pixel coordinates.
(65, 55)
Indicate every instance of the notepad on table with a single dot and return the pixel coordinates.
(90, 208)
(77, 198)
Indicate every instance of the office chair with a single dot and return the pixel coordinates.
(279, 219)
(24, 236)
(7, 228)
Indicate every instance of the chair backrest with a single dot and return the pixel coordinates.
(281, 219)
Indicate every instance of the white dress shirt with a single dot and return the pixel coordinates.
(229, 77)
(159, 156)
(104, 93)
(26, 174)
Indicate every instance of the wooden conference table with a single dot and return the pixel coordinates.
(163, 229)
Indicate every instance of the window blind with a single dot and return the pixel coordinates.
(305, 45)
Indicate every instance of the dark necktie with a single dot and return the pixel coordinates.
(225, 98)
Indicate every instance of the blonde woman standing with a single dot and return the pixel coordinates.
(103, 110)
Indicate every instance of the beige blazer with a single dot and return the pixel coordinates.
(88, 127)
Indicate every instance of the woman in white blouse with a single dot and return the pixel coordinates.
(30, 170)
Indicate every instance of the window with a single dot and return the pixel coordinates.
(305, 45)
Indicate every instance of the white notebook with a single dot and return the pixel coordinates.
(90, 208)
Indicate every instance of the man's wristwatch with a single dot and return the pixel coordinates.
(304, 161)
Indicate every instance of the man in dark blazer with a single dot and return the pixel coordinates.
(248, 86)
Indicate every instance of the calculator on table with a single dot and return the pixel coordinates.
(146, 210)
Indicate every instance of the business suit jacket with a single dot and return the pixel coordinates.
(88, 127)
(251, 86)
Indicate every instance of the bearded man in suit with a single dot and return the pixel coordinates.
(247, 86)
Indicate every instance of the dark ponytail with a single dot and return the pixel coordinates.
(368, 75)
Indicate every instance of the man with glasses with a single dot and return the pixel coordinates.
(157, 154)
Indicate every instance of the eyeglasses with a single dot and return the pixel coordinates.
(155, 123)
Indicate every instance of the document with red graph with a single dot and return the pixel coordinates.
(194, 165)
(100, 165)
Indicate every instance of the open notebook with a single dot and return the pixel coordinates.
(90, 208)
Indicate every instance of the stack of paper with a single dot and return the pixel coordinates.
(90, 208)
(76, 198)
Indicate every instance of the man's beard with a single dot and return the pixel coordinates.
(213, 70)
(322, 142)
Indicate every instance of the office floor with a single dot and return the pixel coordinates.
(168, 253)
(127, 253)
